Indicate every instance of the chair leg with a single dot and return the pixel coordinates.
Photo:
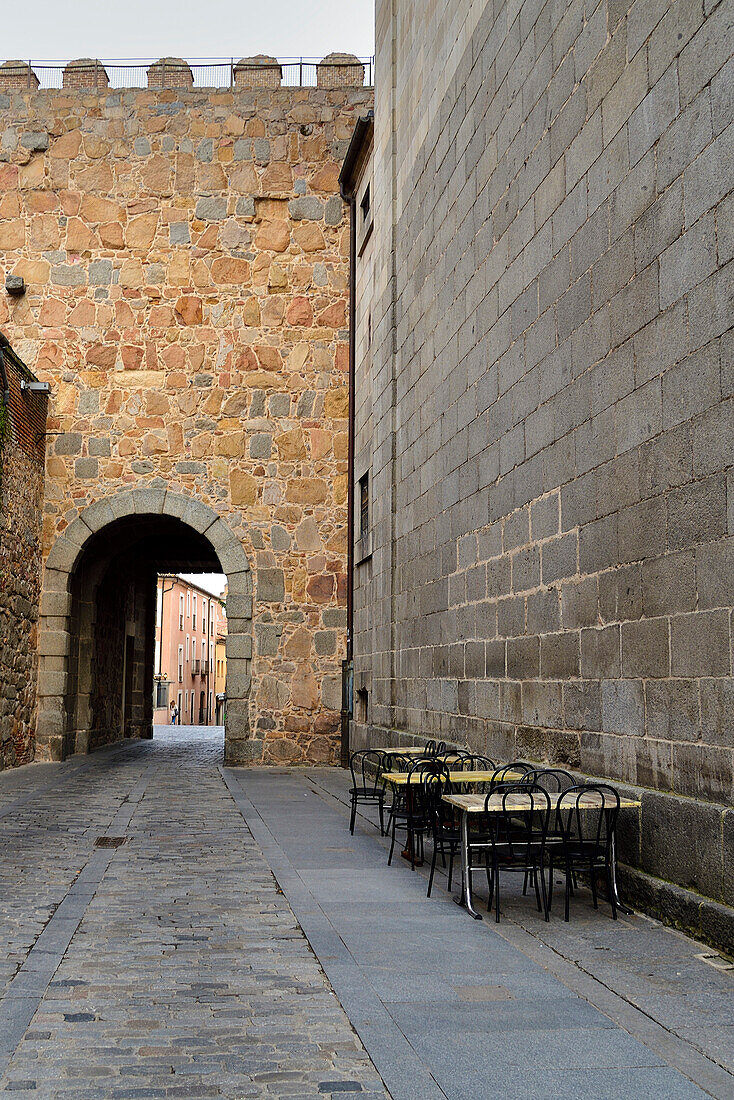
(525, 884)
(382, 818)
(354, 814)
(433, 868)
(592, 878)
(451, 864)
(550, 882)
(496, 877)
(534, 873)
(546, 907)
(392, 843)
(610, 887)
(568, 889)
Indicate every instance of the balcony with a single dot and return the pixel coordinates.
(196, 668)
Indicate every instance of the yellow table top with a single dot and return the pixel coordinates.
(400, 779)
(412, 750)
(474, 803)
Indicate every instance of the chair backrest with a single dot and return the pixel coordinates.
(554, 780)
(515, 830)
(440, 748)
(433, 780)
(587, 814)
(396, 762)
(367, 767)
(454, 760)
(506, 776)
(430, 748)
(476, 763)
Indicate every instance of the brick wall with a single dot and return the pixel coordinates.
(550, 397)
(186, 254)
(21, 499)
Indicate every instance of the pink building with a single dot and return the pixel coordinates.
(189, 620)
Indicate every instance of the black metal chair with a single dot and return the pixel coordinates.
(439, 820)
(554, 781)
(587, 816)
(368, 786)
(395, 762)
(413, 815)
(454, 759)
(507, 776)
(517, 838)
(476, 763)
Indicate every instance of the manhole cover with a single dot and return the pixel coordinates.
(109, 841)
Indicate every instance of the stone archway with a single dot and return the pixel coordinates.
(63, 694)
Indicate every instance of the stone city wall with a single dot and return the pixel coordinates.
(21, 502)
(186, 254)
(551, 428)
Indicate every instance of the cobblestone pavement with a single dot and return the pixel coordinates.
(169, 966)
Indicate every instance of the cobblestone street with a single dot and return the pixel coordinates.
(170, 966)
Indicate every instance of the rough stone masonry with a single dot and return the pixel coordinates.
(185, 254)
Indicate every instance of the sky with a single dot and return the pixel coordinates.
(211, 582)
(108, 29)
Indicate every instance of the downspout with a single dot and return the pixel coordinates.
(4, 407)
(4, 379)
(348, 667)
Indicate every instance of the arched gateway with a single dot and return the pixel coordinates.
(97, 622)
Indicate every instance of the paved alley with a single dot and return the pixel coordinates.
(240, 943)
(170, 966)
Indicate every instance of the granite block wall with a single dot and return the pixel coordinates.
(550, 393)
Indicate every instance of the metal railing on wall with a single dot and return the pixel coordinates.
(297, 72)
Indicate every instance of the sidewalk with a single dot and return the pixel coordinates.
(451, 1008)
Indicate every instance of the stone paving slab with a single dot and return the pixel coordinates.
(537, 1010)
(171, 966)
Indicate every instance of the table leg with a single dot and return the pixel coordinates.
(465, 897)
(613, 860)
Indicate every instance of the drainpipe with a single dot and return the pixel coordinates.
(348, 666)
(3, 374)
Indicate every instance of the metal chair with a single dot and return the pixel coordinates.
(517, 838)
(368, 786)
(395, 762)
(554, 781)
(413, 816)
(587, 815)
(506, 776)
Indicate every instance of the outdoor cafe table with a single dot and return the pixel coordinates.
(468, 804)
(402, 779)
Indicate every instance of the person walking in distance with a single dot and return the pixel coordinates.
(174, 714)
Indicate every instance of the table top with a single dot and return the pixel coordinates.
(400, 779)
(474, 803)
(412, 750)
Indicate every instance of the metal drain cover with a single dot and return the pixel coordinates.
(109, 841)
